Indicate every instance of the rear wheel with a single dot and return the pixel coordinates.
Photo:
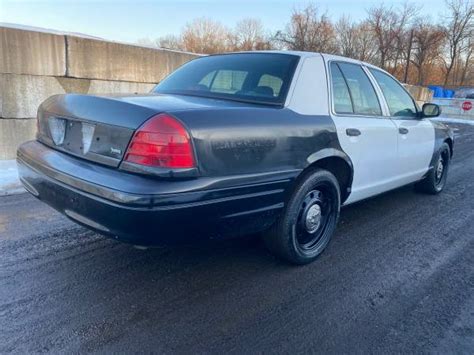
(309, 219)
(435, 180)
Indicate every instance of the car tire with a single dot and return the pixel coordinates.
(435, 181)
(308, 220)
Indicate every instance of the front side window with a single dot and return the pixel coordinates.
(399, 102)
(251, 77)
(362, 93)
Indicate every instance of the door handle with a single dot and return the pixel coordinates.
(353, 132)
(403, 130)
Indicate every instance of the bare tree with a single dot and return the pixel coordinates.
(428, 41)
(309, 30)
(204, 35)
(404, 36)
(346, 35)
(249, 35)
(383, 21)
(458, 31)
(355, 40)
(408, 54)
(389, 28)
(468, 61)
(366, 43)
(391, 37)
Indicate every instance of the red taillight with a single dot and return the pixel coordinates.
(162, 142)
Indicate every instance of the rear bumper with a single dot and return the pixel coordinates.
(150, 211)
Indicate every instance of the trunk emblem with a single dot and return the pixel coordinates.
(57, 128)
(115, 151)
(87, 134)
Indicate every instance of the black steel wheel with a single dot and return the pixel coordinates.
(441, 169)
(309, 219)
(435, 180)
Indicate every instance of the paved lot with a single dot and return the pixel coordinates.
(398, 276)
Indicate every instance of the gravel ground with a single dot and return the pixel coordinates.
(397, 277)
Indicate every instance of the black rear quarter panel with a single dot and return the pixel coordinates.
(256, 139)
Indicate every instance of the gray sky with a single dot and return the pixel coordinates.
(129, 21)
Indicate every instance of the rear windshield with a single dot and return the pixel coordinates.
(250, 77)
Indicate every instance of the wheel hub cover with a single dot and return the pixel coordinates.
(313, 218)
(439, 170)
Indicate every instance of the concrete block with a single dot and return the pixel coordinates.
(118, 87)
(28, 52)
(12, 134)
(95, 59)
(87, 86)
(20, 95)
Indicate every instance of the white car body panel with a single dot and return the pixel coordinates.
(415, 149)
(383, 158)
(309, 94)
(373, 153)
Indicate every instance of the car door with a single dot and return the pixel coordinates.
(416, 136)
(364, 133)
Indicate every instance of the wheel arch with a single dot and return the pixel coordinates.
(336, 162)
(450, 143)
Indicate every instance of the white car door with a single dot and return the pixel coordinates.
(416, 137)
(364, 133)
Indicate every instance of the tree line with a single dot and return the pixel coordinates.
(403, 39)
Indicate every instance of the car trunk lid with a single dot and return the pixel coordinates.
(100, 128)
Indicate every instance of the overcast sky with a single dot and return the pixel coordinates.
(129, 21)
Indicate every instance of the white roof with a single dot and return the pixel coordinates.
(304, 54)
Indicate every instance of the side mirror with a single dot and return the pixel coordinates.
(430, 110)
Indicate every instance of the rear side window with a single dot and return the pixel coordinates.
(251, 77)
(398, 100)
(340, 91)
(362, 93)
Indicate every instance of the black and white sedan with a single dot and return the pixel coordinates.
(232, 144)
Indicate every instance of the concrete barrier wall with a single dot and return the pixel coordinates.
(93, 59)
(22, 94)
(35, 53)
(13, 133)
(35, 65)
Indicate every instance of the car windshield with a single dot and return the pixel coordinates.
(251, 77)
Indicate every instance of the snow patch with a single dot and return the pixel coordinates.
(454, 120)
(9, 181)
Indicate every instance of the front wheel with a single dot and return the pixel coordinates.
(309, 219)
(435, 180)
